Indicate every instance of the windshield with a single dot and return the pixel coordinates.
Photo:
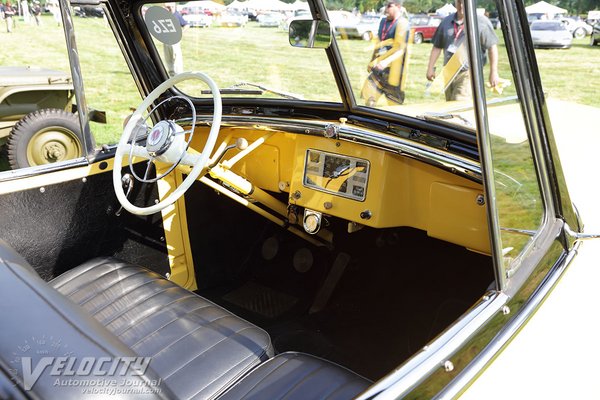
(246, 51)
(245, 47)
(547, 26)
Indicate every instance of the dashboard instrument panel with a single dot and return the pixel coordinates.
(337, 174)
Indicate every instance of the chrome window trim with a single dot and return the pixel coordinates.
(483, 139)
(515, 274)
(73, 56)
(10, 175)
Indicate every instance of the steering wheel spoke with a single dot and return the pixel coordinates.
(165, 142)
(148, 168)
(191, 159)
(135, 150)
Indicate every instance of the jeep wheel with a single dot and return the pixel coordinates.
(418, 38)
(44, 137)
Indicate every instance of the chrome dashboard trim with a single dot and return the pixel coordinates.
(443, 159)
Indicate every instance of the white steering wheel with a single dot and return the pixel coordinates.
(166, 143)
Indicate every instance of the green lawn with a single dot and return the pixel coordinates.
(567, 74)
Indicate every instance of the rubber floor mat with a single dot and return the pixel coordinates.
(261, 300)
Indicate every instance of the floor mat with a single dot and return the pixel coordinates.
(262, 300)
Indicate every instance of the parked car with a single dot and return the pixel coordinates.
(595, 36)
(423, 27)
(270, 20)
(341, 19)
(262, 231)
(578, 28)
(550, 34)
(531, 17)
(366, 28)
(298, 14)
(232, 19)
(198, 19)
(36, 123)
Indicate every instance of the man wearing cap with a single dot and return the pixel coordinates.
(388, 64)
(450, 37)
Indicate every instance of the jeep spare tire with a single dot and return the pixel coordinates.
(43, 137)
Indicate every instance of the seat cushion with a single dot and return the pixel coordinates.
(298, 376)
(197, 347)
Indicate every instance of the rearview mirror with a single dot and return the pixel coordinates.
(310, 33)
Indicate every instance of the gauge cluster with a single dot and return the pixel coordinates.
(336, 174)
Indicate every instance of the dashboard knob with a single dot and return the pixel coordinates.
(312, 221)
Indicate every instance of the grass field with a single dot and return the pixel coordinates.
(572, 74)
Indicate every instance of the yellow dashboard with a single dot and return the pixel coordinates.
(365, 186)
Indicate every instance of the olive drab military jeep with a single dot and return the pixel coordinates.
(36, 123)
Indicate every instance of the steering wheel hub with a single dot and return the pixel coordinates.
(160, 138)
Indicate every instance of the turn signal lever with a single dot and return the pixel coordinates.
(240, 144)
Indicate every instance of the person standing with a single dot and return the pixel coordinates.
(25, 11)
(36, 11)
(450, 38)
(8, 12)
(172, 53)
(387, 69)
(54, 8)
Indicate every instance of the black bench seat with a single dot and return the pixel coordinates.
(109, 309)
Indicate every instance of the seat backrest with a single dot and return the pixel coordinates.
(52, 348)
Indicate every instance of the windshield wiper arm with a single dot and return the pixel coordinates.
(234, 90)
(286, 95)
(260, 89)
(437, 116)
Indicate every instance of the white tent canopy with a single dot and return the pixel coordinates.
(542, 7)
(270, 5)
(447, 9)
(300, 5)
